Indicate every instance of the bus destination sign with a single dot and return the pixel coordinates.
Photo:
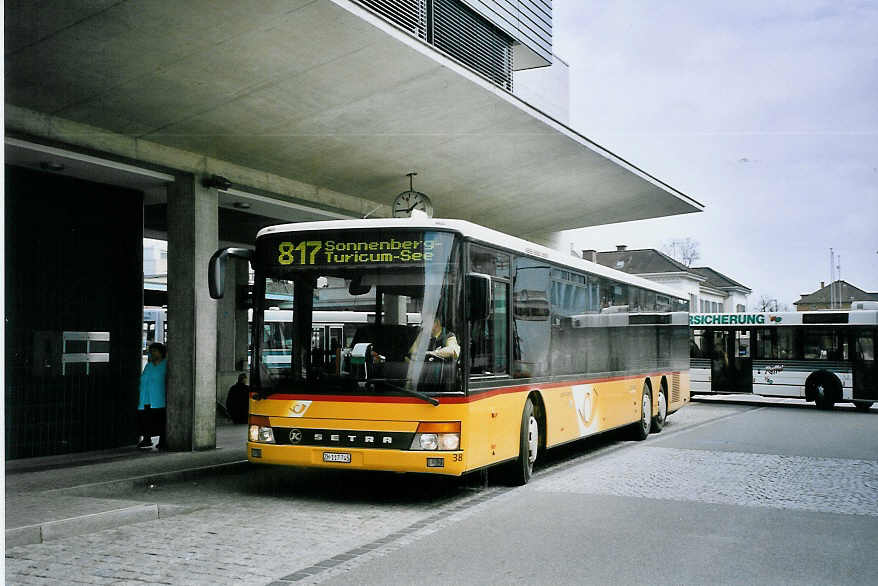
(376, 248)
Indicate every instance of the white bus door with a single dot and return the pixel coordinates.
(731, 367)
(865, 369)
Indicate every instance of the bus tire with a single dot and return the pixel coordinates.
(520, 471)
(823, 394)
(864, 407)
(640, 430)
(658, 420)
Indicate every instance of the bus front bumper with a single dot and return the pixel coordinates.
(430, 462)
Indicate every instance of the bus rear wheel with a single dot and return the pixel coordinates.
(823, 396)
(658, 421)
(640, 430)
(863, 406)
(521, 470)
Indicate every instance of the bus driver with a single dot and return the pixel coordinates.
(443, 344)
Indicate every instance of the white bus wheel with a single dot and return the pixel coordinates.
(658, 421)
(823, 397)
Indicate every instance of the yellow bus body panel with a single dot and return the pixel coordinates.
(490, 422)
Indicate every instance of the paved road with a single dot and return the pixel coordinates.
(727, 493)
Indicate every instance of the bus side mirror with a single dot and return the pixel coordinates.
(478, 296)
(216, 270)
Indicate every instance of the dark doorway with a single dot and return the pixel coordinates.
(74, 297)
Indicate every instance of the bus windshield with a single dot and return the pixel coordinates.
(358, 312)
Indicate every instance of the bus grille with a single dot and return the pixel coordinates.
(675, 387)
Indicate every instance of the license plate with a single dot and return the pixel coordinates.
(335, 457)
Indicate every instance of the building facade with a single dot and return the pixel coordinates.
(707, 290)
(836, 295)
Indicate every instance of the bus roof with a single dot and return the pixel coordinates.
(480, 234)
(784, 318)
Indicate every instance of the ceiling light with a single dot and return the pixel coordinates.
(241, 205)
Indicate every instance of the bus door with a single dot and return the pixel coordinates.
(865, 368)
(731, 367)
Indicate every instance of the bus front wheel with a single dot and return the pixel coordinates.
(521, 470)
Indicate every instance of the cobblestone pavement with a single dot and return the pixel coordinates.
(284, 526)
(829, 485)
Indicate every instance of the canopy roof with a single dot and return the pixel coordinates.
(327, 93)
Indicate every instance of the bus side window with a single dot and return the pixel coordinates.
(488, 337)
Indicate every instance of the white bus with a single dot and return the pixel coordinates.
(823, 356)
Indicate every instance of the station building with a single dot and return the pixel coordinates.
(198, 123)
(708, 290)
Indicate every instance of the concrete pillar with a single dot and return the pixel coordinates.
(231, 329)
(192, 239)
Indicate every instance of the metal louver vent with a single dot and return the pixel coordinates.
(455, 29)
(675, 388)
(409, 14)
(469, 38)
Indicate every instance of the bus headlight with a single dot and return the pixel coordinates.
(443, 436)
(449, 441)
(427, 441)
(260, 430)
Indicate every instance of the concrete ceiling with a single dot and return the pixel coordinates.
(322, 92)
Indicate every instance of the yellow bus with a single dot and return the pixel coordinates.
(481, 349)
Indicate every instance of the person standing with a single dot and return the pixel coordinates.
(238, 400)
(151, 409)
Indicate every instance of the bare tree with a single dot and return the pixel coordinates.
(684, 250)
(769, 303)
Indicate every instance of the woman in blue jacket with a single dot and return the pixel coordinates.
(151, 410)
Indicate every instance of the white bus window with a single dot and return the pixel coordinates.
(865, 346)
(824, 344)
(776, 343)
(697, 348)
(742, 343)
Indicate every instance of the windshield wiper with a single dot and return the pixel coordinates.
(432, 400)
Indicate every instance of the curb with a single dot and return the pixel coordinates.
(81, 524)
(124, 485)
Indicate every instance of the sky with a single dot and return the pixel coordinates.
(766, 112)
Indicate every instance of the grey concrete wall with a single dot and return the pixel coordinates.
(133, 149)
(192, 239)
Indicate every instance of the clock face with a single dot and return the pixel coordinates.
(407, 201)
